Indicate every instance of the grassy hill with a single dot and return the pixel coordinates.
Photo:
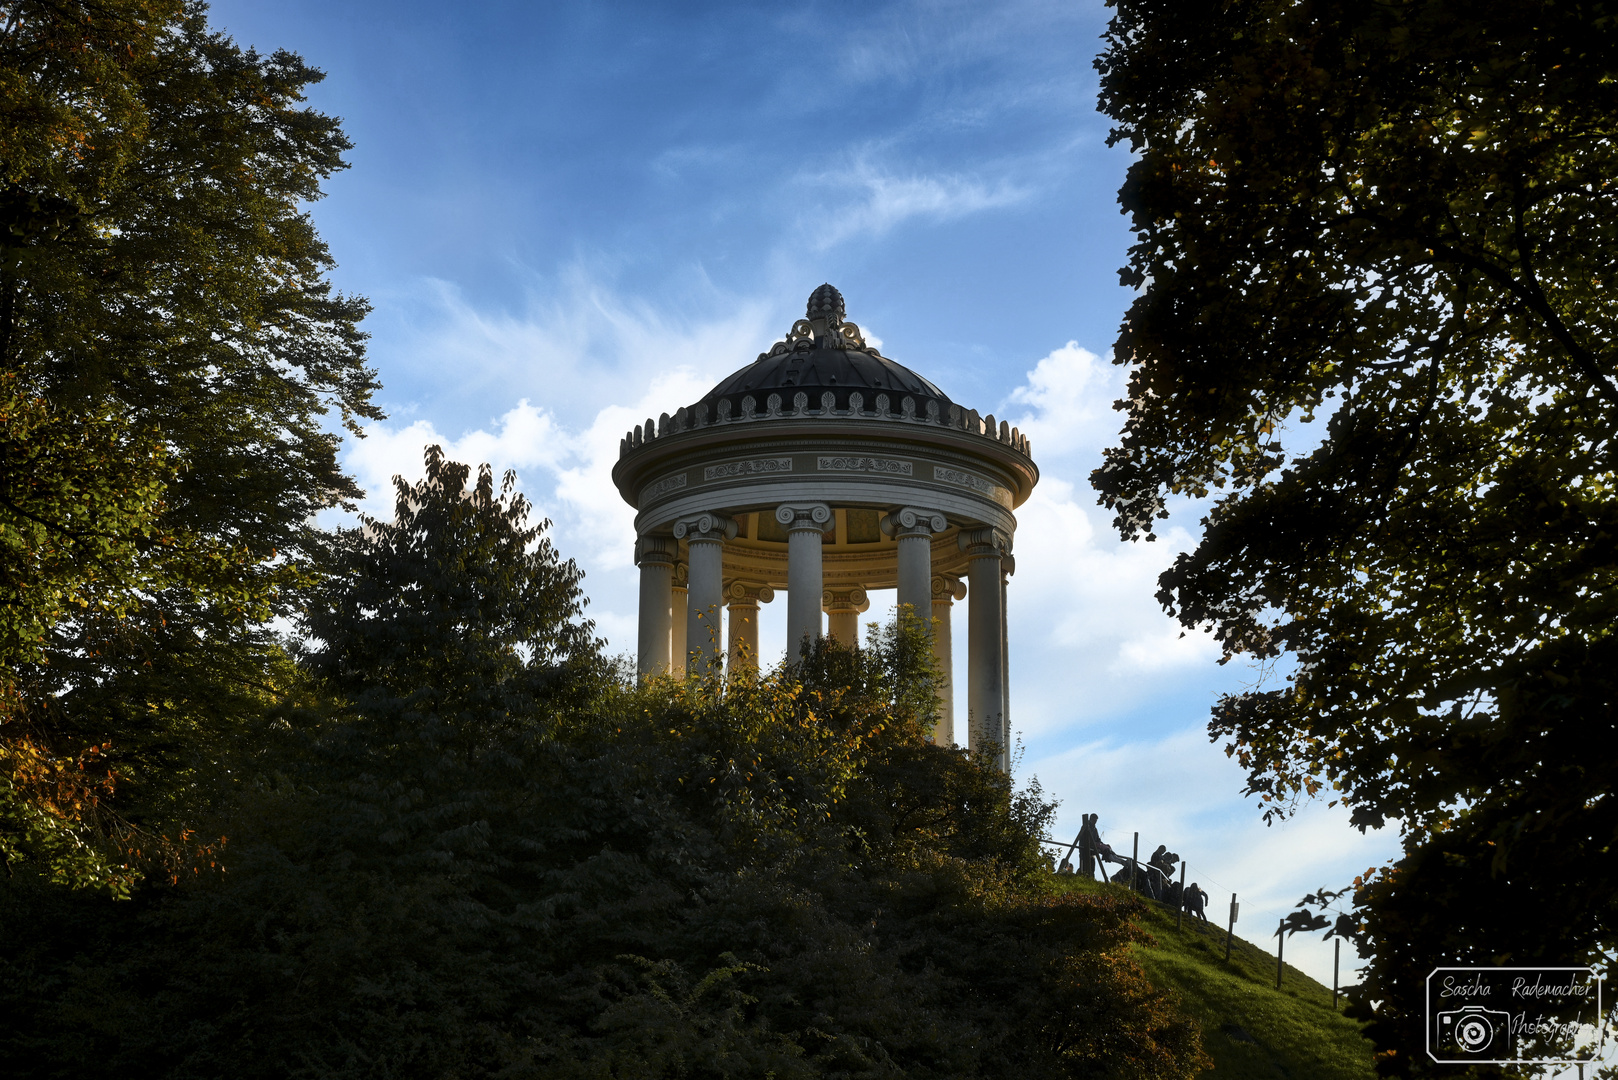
(1251, 1030)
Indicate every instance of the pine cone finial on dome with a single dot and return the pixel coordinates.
(826, 303)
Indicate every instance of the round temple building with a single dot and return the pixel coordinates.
(824, 470)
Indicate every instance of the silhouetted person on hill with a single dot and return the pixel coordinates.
(1164, 860)
(1195, 898)
(1089, 846)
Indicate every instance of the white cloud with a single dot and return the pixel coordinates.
(1068, 400)
(599, 520)
(1091, 639)
(582, 367)
(525, 439)
(1170, 647)
(869, 200)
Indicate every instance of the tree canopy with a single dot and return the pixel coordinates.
(170, 349)
(1375, 323)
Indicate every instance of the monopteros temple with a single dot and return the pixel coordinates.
(826, 470)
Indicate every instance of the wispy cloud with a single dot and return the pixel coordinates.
(866, 200)
(575, 343)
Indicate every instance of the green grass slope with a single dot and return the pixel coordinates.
(1251, 1030)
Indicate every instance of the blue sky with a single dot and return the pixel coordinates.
(572, 216)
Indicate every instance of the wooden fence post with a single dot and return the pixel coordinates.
(1280, 946)
(1336, 955)
(1231, 929)
(1179, 909)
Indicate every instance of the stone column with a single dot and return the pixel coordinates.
(804, 525)
(743, 599)
(1008, 566)
(655, 555)
(678, 609)
(843, 609)
(914, 528)
(705, 536)
(946, 590)
(985, 645)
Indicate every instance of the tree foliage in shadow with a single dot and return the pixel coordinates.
(476, 849)
(1376, 325)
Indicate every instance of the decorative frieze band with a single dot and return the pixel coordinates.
(965, 479)
(891, 466)
(658, 488)
(741, 468)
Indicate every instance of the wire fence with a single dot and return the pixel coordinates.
(1307, 952)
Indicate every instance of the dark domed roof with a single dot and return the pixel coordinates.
(824, 354)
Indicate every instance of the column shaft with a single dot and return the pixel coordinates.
(652, 641)
(914, 527)
(678, 607)
(705, 536)
(844, 627)
(943, 656)
(1005, 669)
(707, 593)
(805, 580)
(916, 574)
(985, 689)
(742, 616)
(744, 599)
(843, 607)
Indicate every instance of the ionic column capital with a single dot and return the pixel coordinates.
(813, 517)
(654, 550)
(835, 600)
(682, 574)
(707, 526)
(984, 542)
(748, 594)
(948, 588)
(914, 521)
